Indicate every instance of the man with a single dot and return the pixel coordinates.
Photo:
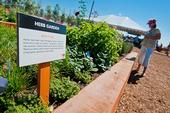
(148, 45)
(168, 49)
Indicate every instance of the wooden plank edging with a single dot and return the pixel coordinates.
(104, 93)
(8, 24)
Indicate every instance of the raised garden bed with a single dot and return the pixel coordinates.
(104, 93)
(91, 50)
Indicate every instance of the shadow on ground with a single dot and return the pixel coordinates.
(134, 77)
(132, 58)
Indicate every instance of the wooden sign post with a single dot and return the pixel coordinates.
(44, 82)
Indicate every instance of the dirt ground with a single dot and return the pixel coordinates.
(151, 93)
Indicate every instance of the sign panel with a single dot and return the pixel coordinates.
(39, 40)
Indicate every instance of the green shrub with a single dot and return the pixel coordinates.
(127, 47)
(11, 17)
(29, 103)
(22, 101)
(99, 39)
(18, 80)
(74, 70)
(8, 44)
(84, 77)
(102, 61)
(3, 15)
(63, 88)
(80, 60)
(6, 102)
(76, 66)
(65, 67)
(34, 104)
(18, 109)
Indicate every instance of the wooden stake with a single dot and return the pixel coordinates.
(44, 82)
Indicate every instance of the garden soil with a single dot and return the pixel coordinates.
(151, 93)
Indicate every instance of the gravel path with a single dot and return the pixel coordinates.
(151, 93)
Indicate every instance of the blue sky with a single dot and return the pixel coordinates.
(138, 10)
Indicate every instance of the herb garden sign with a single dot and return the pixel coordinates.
(39, 42)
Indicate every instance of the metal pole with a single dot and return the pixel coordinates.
(91, 9)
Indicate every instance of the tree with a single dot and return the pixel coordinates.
(63, 17)
(30, 7)
(37, 9)
(41, 12)
(21, 6)
(15, 2)
(1, 2)
(56, 13)
(70, 19)
(8, 3)
(48, 12)
(82, 8)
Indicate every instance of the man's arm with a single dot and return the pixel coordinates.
(155, 37)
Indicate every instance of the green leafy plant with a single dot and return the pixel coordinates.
(3, 15)
(8, 46)
(90, 48)
(63, 88)
(11, 17)
(18, 109)
(5, 102)
(17, 80)
(99, 39)
(65, 67)
(29, 103)
(34, 104)
(127, 47)
(8, 16)
(81, 60)
(77, 66)
(102, 61)
(83, 77)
